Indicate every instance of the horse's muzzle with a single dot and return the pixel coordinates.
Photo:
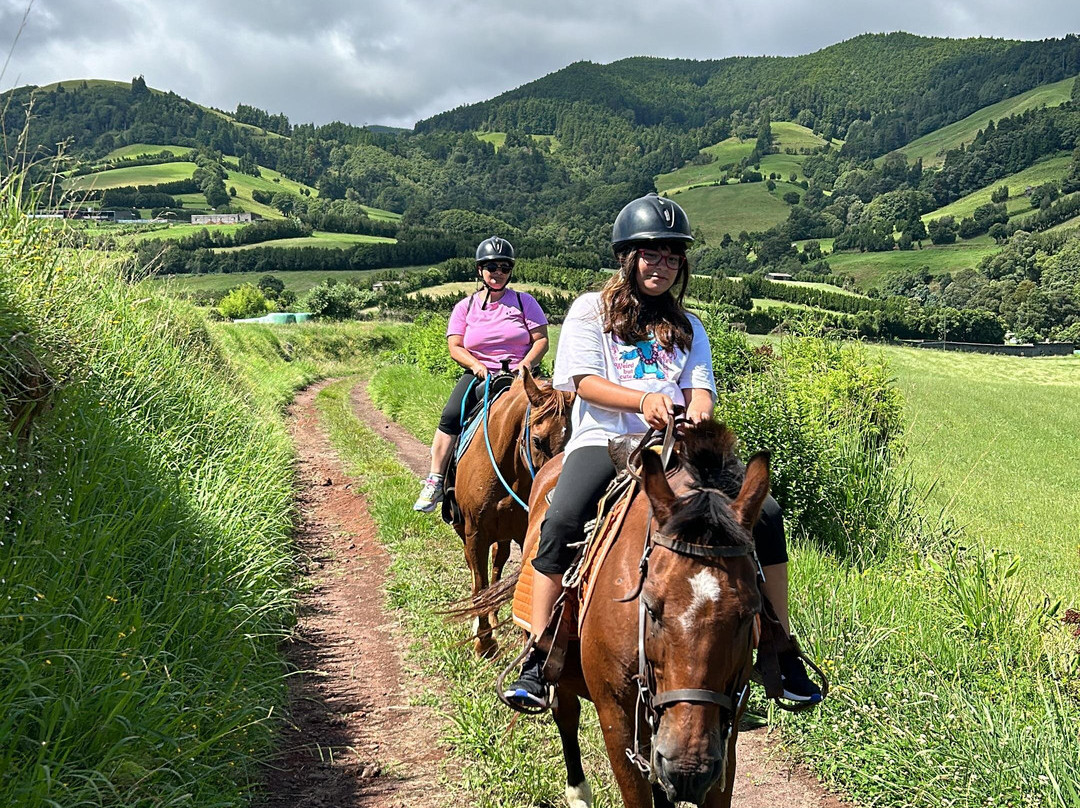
(683, 783)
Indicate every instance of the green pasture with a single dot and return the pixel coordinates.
(336, 241)
(769, 303)
(720, 209)
(468, 287)
(825, 287)
(727, 152)
(931, 147)
(300, 282)
(1053, 168)
(870, 269)
(132, 175)
(826, 244)
(139, 149)
(994, 437)
(174, 230)
(785, 135)
(498, 139)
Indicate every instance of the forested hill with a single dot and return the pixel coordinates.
(896, 86)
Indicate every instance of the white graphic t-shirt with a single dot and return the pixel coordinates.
(586, 349)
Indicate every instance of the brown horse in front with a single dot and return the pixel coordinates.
(667, 642)
(491, 517)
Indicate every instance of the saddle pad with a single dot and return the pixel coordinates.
(598, 548)
(595, 553)
(474, 422)
(522, 608)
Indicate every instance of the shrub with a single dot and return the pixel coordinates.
(829, 414)
(243, 301)
(338, 301)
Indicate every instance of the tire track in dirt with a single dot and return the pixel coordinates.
(765, 778)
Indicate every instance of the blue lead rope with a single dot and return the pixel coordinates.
(491, 454)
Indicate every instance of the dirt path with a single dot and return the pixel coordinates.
(356, 740)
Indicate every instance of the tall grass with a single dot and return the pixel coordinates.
(145, 569)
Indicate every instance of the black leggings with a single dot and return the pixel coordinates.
(585, 475)
(450, 422)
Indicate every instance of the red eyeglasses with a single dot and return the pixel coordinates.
(654, 257)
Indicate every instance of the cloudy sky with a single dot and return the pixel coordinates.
(395, 62)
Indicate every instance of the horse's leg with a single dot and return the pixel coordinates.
(618, 729)
(499, 559)
(566, 710)
(476, 555)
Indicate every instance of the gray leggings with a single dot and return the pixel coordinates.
(585, 475)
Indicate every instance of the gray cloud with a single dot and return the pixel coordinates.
(397, 61)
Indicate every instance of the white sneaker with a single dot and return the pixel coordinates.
(430, 495)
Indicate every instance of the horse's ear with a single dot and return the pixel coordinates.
(657, 489)
(532, 390)
(755, 487)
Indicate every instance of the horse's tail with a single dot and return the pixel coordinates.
(485, 601)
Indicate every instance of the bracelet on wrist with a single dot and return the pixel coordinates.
(641, 402)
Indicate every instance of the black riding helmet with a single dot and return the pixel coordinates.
(495, 249)
(649, 218)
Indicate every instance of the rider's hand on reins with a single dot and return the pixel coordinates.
(696, 415)
(480, 372)
(656, 409)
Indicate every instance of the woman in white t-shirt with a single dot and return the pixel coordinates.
(631, 353)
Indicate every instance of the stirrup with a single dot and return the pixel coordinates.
(500, 685)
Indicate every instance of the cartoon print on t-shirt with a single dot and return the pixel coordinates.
(646, 357)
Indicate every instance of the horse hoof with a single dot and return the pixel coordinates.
(486, 649)
(579, 796)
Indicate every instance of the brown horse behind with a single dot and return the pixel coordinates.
(666, 646)
(490, 516)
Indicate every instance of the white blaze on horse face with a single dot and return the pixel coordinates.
(706, 589)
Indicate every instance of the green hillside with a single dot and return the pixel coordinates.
(728, 152)
(132, 175)
(138, 149)
(340, 241)
(989, 462)
(498, 139)
(870, 269)
(719, 209)
(931, 148)
(1050, 169)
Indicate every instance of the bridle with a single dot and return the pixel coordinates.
(650, 703)
(525, 441)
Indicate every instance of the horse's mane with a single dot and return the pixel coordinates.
(707, 452)
(554, 405)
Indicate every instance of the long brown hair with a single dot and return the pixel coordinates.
(632, 316)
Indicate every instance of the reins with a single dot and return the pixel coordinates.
(651, 704)
(491, 453)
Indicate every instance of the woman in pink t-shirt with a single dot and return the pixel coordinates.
(490, 326)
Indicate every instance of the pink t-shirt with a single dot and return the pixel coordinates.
(498, 330)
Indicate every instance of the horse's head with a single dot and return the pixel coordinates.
(700, 600)
(547, 426)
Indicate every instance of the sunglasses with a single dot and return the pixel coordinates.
(496, 266)
(654, 257)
